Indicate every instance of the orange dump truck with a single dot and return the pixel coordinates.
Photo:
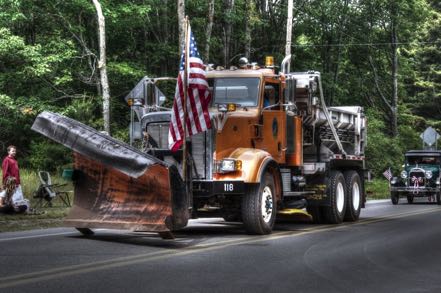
(274, 146)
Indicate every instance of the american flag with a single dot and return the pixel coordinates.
(388, 174)
(198, 98)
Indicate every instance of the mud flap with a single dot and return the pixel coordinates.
(117, 186)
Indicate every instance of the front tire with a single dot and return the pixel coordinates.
(394, 197)
(410, 199)
(259, 207)
(336, 192)
(353, 196)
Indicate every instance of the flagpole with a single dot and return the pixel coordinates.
(184, 147)
(390, 172)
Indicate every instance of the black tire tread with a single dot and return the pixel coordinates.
(394, 198)
(351, 214)
(251, 207)
(330, 213)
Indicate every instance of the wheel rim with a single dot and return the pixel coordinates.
(267, 204)
(355, 196)
(340, 197)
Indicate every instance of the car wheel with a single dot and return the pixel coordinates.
(394, 197)
(410, 199)
(438, 198)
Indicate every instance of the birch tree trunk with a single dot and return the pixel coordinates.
(103, 67)
(181, 20)
(289, 29)
(248, 30)
(209, 30)
(394, 104)
(229, 5)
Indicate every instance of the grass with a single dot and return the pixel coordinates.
(53, 216)
(377, 189)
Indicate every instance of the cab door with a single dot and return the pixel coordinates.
(273, 121)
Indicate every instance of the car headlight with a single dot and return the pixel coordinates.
(229, 165)
(429, 174)
(404, 174)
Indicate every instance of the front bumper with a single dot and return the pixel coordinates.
(208, 188)
(415, 191)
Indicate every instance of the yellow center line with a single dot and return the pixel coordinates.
(44, 275)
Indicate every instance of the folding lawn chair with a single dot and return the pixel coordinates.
(48, 191)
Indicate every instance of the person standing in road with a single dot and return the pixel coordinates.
(11, 175)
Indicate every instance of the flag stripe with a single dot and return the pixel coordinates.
(198, 98)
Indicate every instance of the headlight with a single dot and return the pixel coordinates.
(404, 174)
(428, 174)
(229, 165)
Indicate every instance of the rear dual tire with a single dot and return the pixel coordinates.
(335, 191)
(345, 193)
(353, 196)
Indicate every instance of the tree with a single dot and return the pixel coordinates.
(208, 31)
(181, 26)
(102, 66)
(427, 85)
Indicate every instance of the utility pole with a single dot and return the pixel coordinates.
(289, 30)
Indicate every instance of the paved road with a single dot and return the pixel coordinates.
(391, 249)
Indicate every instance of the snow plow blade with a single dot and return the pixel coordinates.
(116, 186)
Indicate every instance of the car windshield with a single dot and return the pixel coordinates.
(241, 91)
(428, 160)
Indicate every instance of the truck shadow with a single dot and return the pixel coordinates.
(190, 236)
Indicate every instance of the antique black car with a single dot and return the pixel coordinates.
(419, 178)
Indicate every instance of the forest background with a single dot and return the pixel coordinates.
(384, 55)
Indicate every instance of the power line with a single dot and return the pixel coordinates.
(368, 44)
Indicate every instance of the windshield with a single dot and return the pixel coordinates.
(242, 91)
(428, 160)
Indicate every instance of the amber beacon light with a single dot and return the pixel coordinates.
(269, 61)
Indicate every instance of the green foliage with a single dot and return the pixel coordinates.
(380, 144)
(378, 189)
(48, 156)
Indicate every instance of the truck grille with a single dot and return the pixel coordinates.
(202, 152)
(159, 133)
(201, 148)
(417, 178)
